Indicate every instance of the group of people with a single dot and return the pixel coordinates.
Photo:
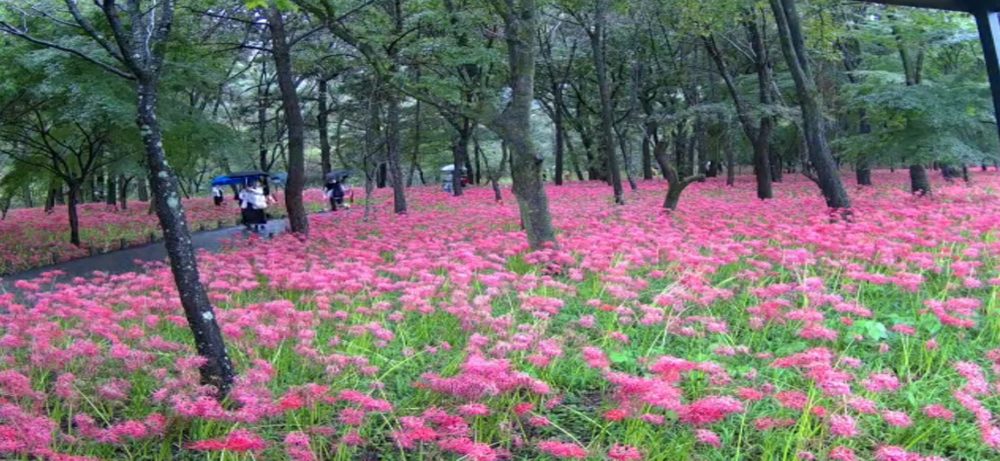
(254, 198)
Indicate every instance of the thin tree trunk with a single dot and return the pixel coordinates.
(647, 150)
(111, 192)
(573, 160)
(217, 369)
(460, 153)
(793, 47)
(74, 218)
(479, 156)
(560, 128)
(322, 118)
(123, 183)
(597, 44)
(626, 158)
(142, 191)
(262, 101)
(395, 170)
(50, 199)
(415, 159)
(297, 219)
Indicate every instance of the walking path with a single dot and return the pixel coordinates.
(130, 259)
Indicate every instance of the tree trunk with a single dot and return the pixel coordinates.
(730, 167)
(392, 145)
(74, 218)
(479, 154)
(675, 185)
(626, 158)
(111, 192)
(123, 183)
(459, 151)
(864, 174)
(50, 199)
(322, 116)
(777, 164)
(297, 219)
(597, 45)
(217, 369)
(415, 159)
(793, 47)
(920, 184)
(514, 124)
(560, 128)
(647, 154)
(759, 136)
(142, 191)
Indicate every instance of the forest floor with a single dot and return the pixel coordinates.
(730, 329)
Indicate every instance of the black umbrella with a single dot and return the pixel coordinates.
(338, 175)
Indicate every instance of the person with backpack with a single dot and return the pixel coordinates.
(334, 193)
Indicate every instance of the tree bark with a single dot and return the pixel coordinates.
(759, 136)
(514, 124)
(297, 219)
(142, 191)
(597, 45)
(560, 128)
(74, 218)
(111, 191)
(864, 174)
(415, 159)
(393, 131)
(920, 184)
(460, 153)
(217, 369)
(123, 183)
(322, 119)
(263, 92)
(675, 185)
(793, 47)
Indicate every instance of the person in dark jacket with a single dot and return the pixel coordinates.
(335, 193)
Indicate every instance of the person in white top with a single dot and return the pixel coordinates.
(217, 195)
(253, 204)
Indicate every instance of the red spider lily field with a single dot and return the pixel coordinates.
(730, 329)
(31, 238)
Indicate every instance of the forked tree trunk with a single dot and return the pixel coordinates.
(514, 124)
(675, 185)
(793, 47)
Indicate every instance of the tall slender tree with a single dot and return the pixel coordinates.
(132, 42)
